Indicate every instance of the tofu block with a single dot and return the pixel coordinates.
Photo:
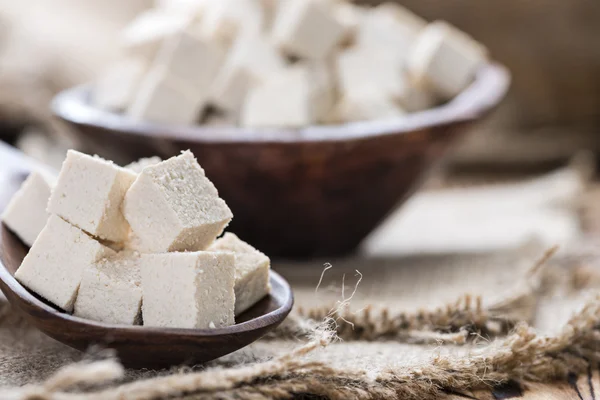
(445, 59)
(299, 96)
(225, 20)
(166, 99)
(89, 194)
(116, 89)
(111, 290)
(307, 29)
(188, 290)
(26, 213)
(370, 105)
(251, 271)
(349, 16)
(172, 206)
(251, 61)
(192, 59)
(144, 35)
(139, 165)
(54, 266)
(389, 28)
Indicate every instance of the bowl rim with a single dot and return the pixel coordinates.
(485, 92)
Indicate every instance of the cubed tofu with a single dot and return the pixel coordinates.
(144, 35)
(188, 290)
(251, 60)
(26, 213)
(389, 28)
(299, 96)
(166, 99)
(116, 89)
(192, 59)
(350, 17)
(111, 290)
(225, 20)
(54, 266)
(370, 105)
(445, 59)
(173, 206)
(89, 194)
(251, 271)
(307, 29)
(139, 165)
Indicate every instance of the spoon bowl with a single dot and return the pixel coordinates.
(136, 346)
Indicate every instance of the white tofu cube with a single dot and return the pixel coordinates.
(172, 206)
(116, 89)
(371, 105)
(139, 165)
(89, 194)
(54, 266)
(192, 59)
(389, 28)
(166, 99)
(26, 213)
(111, 290)
(144, 35)
(251, 271)
(307, 29)
(224, 20)
(188, 290)
(299, 96)
(350, 17)
(251, 60)
(445, 59)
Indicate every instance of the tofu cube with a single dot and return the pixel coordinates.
(251, 60)
(389, 28)
(139, 165)
(26, 213)
(445, 59)
(116, 89)
(307, 29)
(370, 105)
(251, 271)
(350, 17)
(225, 20)
(193, 60)
(166, 99)
(188, 290)
(299, 96)
(144, 35)
(54, 266)
(89, 194)
(172, 206)
(111, 290)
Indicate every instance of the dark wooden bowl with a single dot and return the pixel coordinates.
(298, 193)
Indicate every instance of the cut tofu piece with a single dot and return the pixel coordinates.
(116, 89)
(139, 165)
(350, 17)
(144, 35)
(251, 60)
(224, 20)
(26, 213)
(188, 290)
(111, 290)
(89, 194)
(54, 266)
(307, 29)
(445, 59)
(389, 28)
(299, 96)
(172, 206)
(192, 59)
(166, 99)
(367, 106)
(251, 271)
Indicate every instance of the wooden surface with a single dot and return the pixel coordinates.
(299, 193)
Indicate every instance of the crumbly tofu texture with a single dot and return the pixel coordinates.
(111, 291)
(251, 271)
(188, 289)
(54, 266)
(139, 165)
(173, 206)
(26, 213)
(89, 194)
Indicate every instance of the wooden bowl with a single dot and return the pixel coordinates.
(316, 191)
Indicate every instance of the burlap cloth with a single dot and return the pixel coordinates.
(370, 328)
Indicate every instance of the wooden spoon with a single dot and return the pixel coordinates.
(136, 346)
